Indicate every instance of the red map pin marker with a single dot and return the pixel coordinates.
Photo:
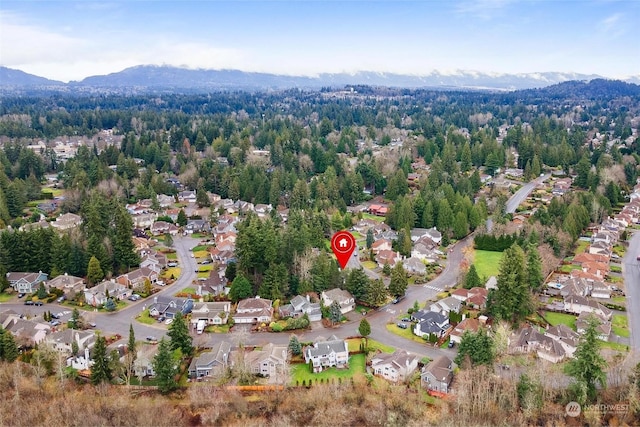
(343, 244)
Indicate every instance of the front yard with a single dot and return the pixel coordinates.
(145, 318)
(173, 272)
(354, 345)
(301, 372)
(620, 325)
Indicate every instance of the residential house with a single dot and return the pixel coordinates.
(325, 354)
(216, 282)
(299, 306)
(68, 284)
(62, 341)
(601, 248)
(66, 222)
(395, 367)
(143, 365)
(254, 310)
(263, 210)
(460, 294)
(528, 340)
(241, 207)
(162, 227)
(587, 257)
(389, 258)
(467, 325)
(446, 306)
(137, 277)
(429, 322)
(378, 209)
(577, 304)
(28, 333)
(213, 362)
(213, 313)
(344, 298)
(170, 306)
(381, 245)
(437, 375)
(97, 295)
(415, 266)
(228, 237)
(197, 226)
(26, 283)
(187, 196)
(477, 298)
(422, 252)
(600, 290)
(269, 362)
(434, 235)
(364, 225)
(603, 329)
(492, 283)
(567, 337)
(165, 201)
(427, 242)
(144, 220)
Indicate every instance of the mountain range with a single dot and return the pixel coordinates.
(152, 77)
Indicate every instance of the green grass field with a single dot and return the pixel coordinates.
(369, 264)
(145, 318)
(354, 345)
(614, 346)
(173, 271)
(582, 247)
(172, 255)
(201, 254)
(404, 333)
(5, 297)
(373, 217)
(620, 325)
(555, 319)
(487, 263)
(187, 290)
(300, 372)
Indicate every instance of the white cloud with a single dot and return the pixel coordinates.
(613, 26)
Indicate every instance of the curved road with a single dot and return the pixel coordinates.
(119, 321)
(631, 274)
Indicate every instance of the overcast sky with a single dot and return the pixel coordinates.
(68, 40)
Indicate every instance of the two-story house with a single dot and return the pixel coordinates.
(26, 283)
(213, 362)
(299, 306)
(325, 354)
(437, 375)
(254, 310)
(395, 367)
(344, 298)
(97, 295)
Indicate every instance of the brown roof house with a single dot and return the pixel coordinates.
(67, 283)
(438, 375)
(254, 310)
(395, 367)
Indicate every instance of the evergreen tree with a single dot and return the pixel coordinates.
(100, 371)
(179, 334)
(471, 279)
(94, 272)
(165, 368)
(74, 321)
(365, 328)
(376, 294)
(294, 346)
(276, 282)
(357, 283)
(399, 282)
(182, 218)
(8, 348)
(240, 288)
(465, 158)
(202, 199)
(42, 291)
(110, 305)
(588, 366)
(512, 300)
(131, 344)
(460, 225)
(334, 312)
(370, 238)
(124, 251)
(476, 348)
(534, 268)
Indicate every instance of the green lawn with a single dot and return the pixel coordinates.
(187, 290)
(173, 271)
(200, 248)
(405, 333)
(300, 372)
(172, 255)
(568, 268)
(5, 297)
(620, 325)
(373, 217)
(620, 300)
(217, 329)
(614, 346)
(201, 254)
(487, 263)
(354, 345)
(369, 264)
(555, 319)
(581, 247)
(145, 318)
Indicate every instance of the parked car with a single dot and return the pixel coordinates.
(451, 344)
(160, 283)
(61, 299)
(28, 302)
(405, 319)
(20, 295)
(161, 319)
(55, 323)
(54, 316)
(172, 264)
(38, 303)
(402, 325)
(91, 324)
(168, 321)
(151, 338)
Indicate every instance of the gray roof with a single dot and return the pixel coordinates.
(334, 345)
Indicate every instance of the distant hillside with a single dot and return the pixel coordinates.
(594, 89)
(169, 79)
(10, 77)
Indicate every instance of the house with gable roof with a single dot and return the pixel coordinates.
(344, 298)
(324, 354)
(26, 283)
(254, 310)
(395, 367)
(212, 362)
(437, 375)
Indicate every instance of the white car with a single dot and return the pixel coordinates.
(168, 321)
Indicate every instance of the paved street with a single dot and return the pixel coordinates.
(119, 321)
(631, 273)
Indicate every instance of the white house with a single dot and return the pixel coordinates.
(394, 367)
(324, 354)
(213, 313)
(344, 298)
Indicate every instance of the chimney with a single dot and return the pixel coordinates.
(155, 300)
(86, 354)
(308, 299)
